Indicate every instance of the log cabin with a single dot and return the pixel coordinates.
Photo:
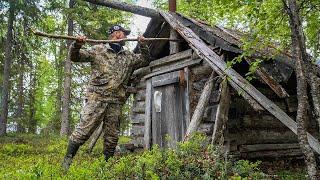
(180, 89)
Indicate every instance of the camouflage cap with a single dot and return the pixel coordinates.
(118, 28)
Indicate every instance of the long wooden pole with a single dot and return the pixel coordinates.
(94, 41)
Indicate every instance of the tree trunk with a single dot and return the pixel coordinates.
(127, 7)
(6, 71)
(32, 125)
(23, 60)
(59, 66)
(20, 118)
(300, 55)
(314, 82)
(65, 116)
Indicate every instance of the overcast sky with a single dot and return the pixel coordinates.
(139, 23)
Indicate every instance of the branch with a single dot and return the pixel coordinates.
(94, 41)
(143, 11)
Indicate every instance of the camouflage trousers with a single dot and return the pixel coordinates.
(96, 110)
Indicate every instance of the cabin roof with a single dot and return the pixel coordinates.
(226, 39)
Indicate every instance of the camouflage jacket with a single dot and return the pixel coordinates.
(110, 71)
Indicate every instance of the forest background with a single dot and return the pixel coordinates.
(42, 92)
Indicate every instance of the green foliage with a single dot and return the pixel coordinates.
(39, 157)
(244, 168)
(292, 175)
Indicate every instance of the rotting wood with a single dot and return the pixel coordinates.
(173, 68)
(143, 11)
(171, 58)
(234, 78)
(202, 104)
(148, 113)
(267, 147)
(165, 79)
(95, 137)
(139, 73)
(209, 36)
(221, 117)
(274, 85)
(187, 95)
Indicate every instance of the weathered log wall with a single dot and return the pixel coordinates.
(138, 117)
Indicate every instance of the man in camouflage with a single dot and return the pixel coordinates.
(112, 67)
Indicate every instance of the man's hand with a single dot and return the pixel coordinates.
(141, 40)
(81, 40)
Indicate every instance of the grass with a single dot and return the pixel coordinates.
(39, 157)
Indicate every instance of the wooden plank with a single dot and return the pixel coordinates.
(137, 131)
(187, 96)
(171, 58)
(137, 118)
(202, 104)
(174, 68)
(147, 124)
(272, 154)
(139, 73)
(274, 85)
(267, 147)
(164, 79)
(234, 78)
(173, 65)
(141, 95)
(222, 113)
(206, 35)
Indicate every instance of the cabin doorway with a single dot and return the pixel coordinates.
(170, 104)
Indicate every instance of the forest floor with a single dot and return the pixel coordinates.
(39, 157)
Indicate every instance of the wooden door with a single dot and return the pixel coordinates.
(169, 108)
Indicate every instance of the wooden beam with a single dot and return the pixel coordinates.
(143, 11)
(148, 113)
(201, 106)
(172, 58)
(273, 84)
(174, 68)
(222, 113)
(234, 78)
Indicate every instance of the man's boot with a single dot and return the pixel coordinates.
(107, 155)
(71, 152)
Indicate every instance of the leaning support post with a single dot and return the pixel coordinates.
(95, 137)
(221, 117)
(202, 104)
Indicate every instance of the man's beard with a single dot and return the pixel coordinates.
(117, 47)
